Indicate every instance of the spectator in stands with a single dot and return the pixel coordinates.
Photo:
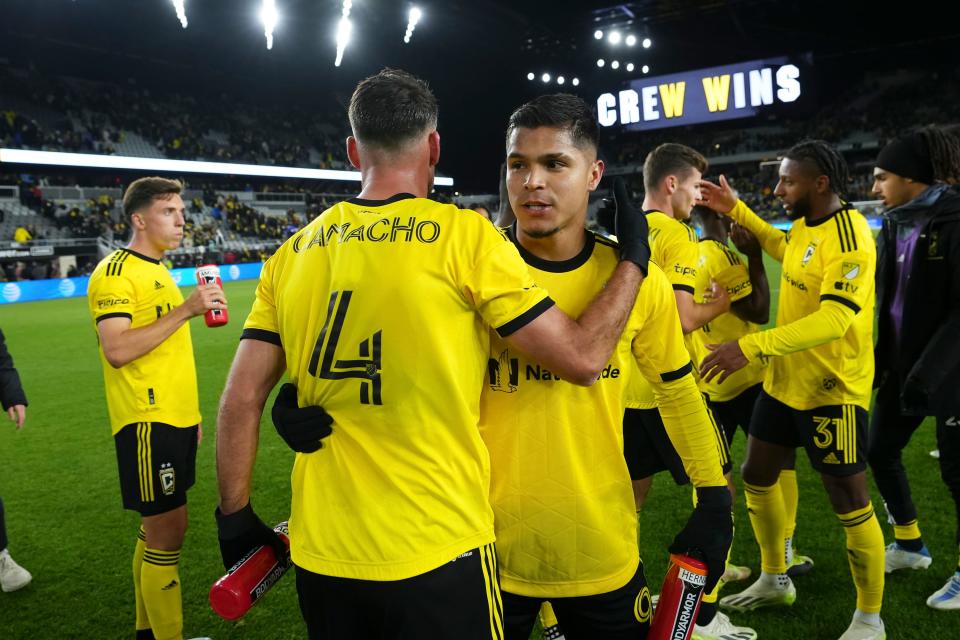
(22, 235)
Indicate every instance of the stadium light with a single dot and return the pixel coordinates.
(575, 82)
(629, 66)
(561, 80)
(269, 16)
(600, 62)
(95, 161)
(615, 64)
(613, 37)
(598, 34)
(412, 21)
(181, 12)
(531, 76)
(545, 77)
(631, 40)
(647, 42)
(645, 69)
(344, 27)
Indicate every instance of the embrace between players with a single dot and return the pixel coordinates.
(452, 384)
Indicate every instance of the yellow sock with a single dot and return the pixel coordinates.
(143, 621)
(865, 553)
(160, 586)
(908, 531)
(547, 617)
(791, 497)
(765, 506)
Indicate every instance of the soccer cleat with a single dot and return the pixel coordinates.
(948, 596)
(12, 575)
(720, 628)
(935, 454)
(896, 558)
(759, 595)
(552, 633)
(860, 630)
(801, 566)
(733, 573)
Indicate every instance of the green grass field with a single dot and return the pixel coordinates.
(58, 480)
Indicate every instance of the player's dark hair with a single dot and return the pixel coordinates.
(390, 109)
(944, 149)
(562, 111)
(671, 159)
(142, 192)
(827, 160)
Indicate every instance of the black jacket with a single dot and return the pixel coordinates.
(928, 361)
(11, 391)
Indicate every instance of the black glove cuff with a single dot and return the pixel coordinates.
(236, 524)
(714, 497)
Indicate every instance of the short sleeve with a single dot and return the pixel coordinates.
(680, 255)
(500, 287)
(262, 323)
(736, 280)
(658, 346)
(112, 296)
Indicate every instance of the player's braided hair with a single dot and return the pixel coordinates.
(944, 150)
(827, 159)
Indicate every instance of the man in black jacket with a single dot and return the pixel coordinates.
(918, 350)
(14, 401)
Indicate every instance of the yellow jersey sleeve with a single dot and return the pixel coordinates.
(658, 346)
(727, 269)
(262, 321)
(674, 248)
(773, 241)
(848, 268)
(111, 296)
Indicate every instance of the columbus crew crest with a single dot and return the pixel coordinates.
(168, 479)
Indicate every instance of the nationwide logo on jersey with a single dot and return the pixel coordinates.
(808, 253)
(850, 270)
(168, 480)
(504, 366)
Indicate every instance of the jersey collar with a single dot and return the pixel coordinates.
(141, 256)
(843, 207)
(363, 202)
(553, 266)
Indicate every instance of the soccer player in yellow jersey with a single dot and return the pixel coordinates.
(563, 508)
(379, 312)
(151, 384)
(817, 388)
(732, 402)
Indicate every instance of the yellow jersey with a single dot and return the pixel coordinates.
(718, 262)
(382, 308)
(673, 248)
(832, 261)
(561, 493)
(160, 386)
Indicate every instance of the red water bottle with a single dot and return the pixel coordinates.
(232, 595)
(210, 274)
(680, 596)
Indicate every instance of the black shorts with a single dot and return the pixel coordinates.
(835, 436)
(648, 450)
(624, 613)
(157, 464)
(458, 600)
(737, 412)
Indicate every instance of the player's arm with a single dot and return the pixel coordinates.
(722, 199)
(693, 314)
(578, 350)
(256, 369)
(122, 345)
(12, 397)
(756, 306)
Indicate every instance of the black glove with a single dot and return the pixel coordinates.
(628, 224)
(709, 532)
(302, 428)
(243, 532)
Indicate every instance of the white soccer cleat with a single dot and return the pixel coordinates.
(896, 558)
(12, 575)
(860, 630)
(720, 628)
(761, 594)
(947, 597)
(935, 454)
(734, 573)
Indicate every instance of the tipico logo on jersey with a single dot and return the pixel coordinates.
(234, 272)
(11, 292)
(67, 287)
